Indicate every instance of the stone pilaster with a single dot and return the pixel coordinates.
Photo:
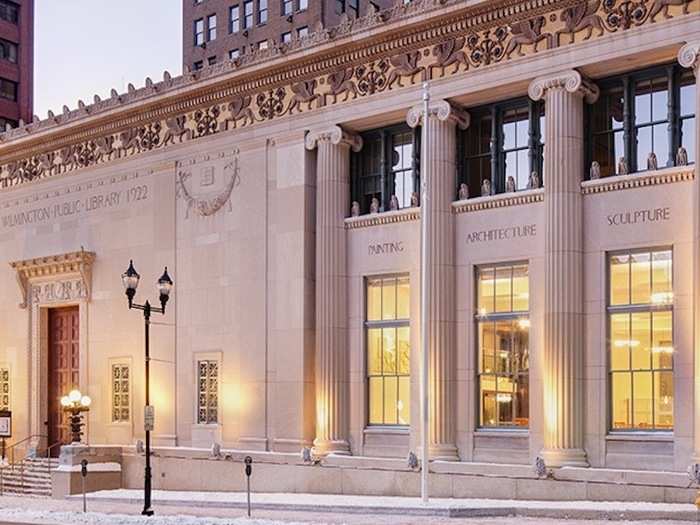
(331, 359)
(564, 94)
(438, 155)
(689, 56)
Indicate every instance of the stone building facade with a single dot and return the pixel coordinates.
(282, 190)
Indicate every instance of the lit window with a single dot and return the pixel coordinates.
(640, 340)
(248, 14)
(286, 38)
(211, 23)
(503, 328)
(4, 389)
(287, 7)
(234, 19)
(262, 12)
(388, 350)
(303, 4)
(199, 32)
(303, 32)
(208, 392)
(263, 44)
(121, 392)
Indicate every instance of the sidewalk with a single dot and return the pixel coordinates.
(448, 508)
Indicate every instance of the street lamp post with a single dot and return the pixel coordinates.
(75, 404)
(130, 278)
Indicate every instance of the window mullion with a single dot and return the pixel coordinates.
(629, 131)
(495, 150)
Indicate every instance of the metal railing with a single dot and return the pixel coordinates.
(21, 464)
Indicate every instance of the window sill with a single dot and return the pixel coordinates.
(384, 430)
(640, 435)
(523, 433)
(639, 179)
(500, 200)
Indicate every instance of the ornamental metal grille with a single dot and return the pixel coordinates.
(208, 388)
(120, 394)
(4, 389)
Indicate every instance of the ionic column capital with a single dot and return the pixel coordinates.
(689, 56)
(334, 135)
(440, 109)
(570, 80)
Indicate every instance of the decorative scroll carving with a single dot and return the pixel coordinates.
(335, 135)
(55, 269)
(472, 37)
(440, 109)
(689, 56)
(570, 80)
(210, 206)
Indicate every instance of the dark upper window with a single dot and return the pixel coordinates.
(248, 14)
(504, 140)
(354, 7)
(234, 19)
(8, 51)
(637, 114)
(387, 165)
(234, 54)
(211, 27)
(262, 11)
(199, 32)
(287, 7)
(303, 32)
(286, 37)
(4, 122)
(9, 11)
(199, 64)
(303, 4)
(8, 89)
(339, 6)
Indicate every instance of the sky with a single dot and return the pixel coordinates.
(88, 47)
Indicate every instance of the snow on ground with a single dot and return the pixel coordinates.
(95, 518)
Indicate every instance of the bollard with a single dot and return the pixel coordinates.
(248, 472)
(83, 474)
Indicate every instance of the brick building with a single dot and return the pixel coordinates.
(215, 30)
(16, 61)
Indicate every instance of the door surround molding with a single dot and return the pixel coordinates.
(51, 282)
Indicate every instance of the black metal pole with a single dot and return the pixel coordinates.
(147, 510)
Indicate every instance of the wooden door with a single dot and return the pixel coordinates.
(64, 368)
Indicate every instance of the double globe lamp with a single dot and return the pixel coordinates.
(75, 404)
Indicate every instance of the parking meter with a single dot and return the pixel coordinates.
(83, 474)
(248, 472)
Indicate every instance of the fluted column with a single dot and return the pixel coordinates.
(689, 56)
(564, 95)
(331, 358)
(439, 157)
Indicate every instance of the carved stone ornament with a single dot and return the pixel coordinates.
(394, 203)
(374, 205)
(415, 199)
(689, 56)
(54, 275)
(622, 168)
(486, 188)
(334, 135)
(207, 207)
(595, 170)
(355, 209)
(652, 162)
(463, 193)
(510, 184)
(570, 80)
(682, 157)
(533, 181)
(440, 109)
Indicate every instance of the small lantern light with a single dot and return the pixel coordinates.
(164, 285)
(130, 278)
(74, 396)
(65, 401)
(85, 401)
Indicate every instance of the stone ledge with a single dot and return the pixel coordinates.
(501, 200)
(387, 217)
(639, 180)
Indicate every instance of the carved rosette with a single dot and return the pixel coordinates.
(440, 109)
(689, 57)
(335, 135)
(570, 80)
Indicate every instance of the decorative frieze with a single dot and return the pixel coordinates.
(377, 219)
(502, 200)
(446, 43)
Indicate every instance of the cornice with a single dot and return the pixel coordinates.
(638, 180)
(377, 219)
(379, 53)
(501, 200)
